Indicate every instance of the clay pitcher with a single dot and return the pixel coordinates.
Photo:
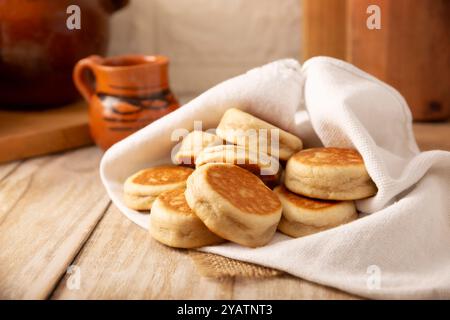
(38, 51)
(124, 93)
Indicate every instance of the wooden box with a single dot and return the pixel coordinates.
(411, 50)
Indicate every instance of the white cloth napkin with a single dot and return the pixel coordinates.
(400, 246)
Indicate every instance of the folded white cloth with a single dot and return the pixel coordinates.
(400, 246)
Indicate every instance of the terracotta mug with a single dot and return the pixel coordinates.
(125, 93)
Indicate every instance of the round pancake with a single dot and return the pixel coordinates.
(302, 216)
(330, 174)
(173, 223)
(266, 167)
(140, 203)
(234, 203)
(296, 229)
(153, 181)
(242, 128)
(193, 144)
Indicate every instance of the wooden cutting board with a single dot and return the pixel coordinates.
(26, 134)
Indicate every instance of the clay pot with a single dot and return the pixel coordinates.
(38, 51)
(124, 93)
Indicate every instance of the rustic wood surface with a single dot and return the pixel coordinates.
(54, 213)
(48, 208)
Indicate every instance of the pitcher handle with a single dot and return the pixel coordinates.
(81, 76)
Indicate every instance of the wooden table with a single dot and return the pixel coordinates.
(54, 213)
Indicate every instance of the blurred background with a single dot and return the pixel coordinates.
(207, 41)
(210, 41)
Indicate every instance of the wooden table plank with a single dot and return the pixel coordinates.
(285, 287)
(48, 208)
(122, 261)
(8, 168)
(432, 136)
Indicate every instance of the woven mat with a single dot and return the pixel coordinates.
(215, 266)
